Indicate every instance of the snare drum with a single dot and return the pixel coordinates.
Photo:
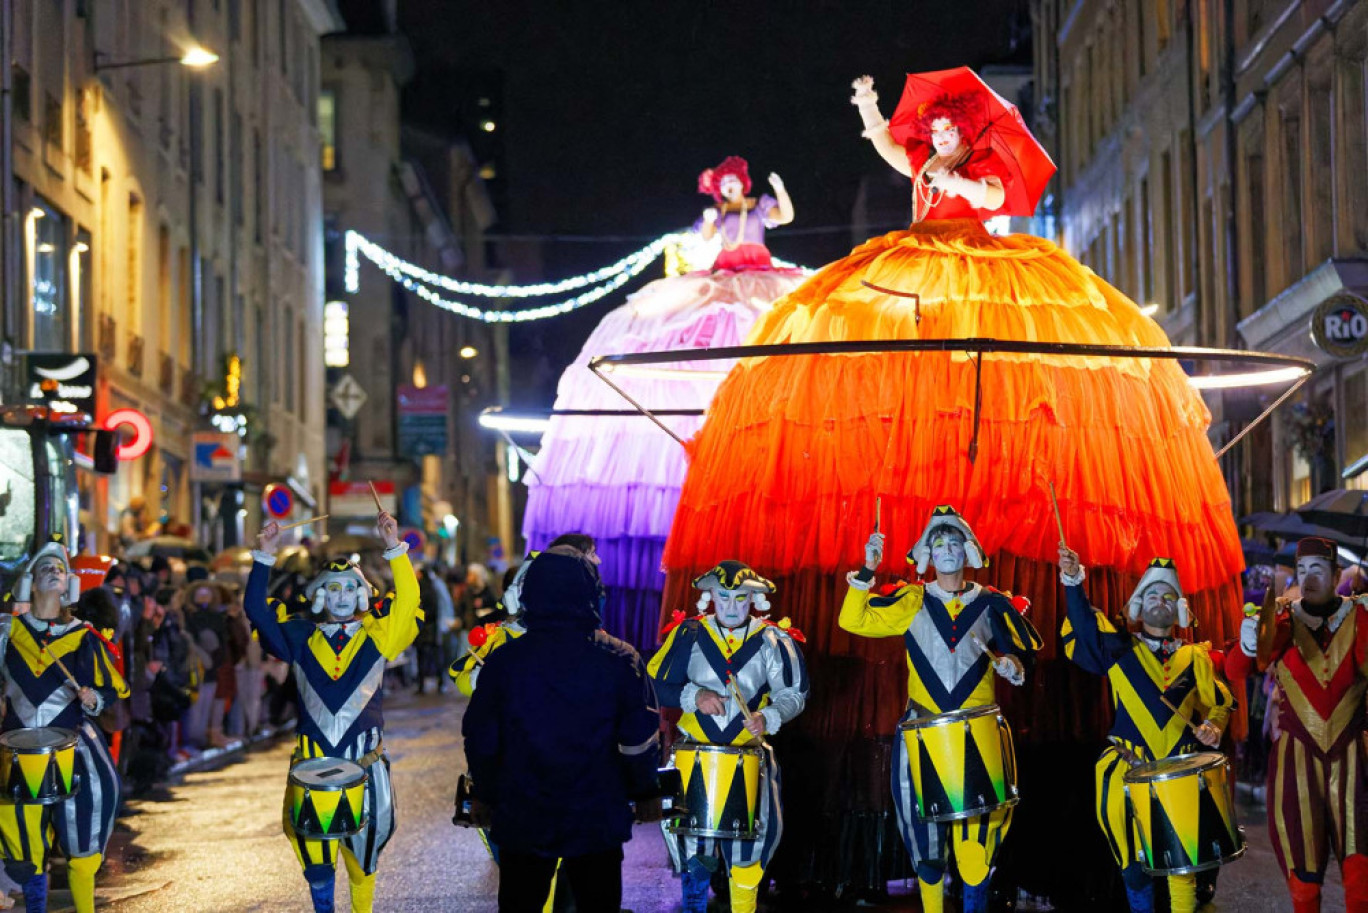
(721, 788)
(327, 798)
(1184, 813)
(37, 766)
(961, 763)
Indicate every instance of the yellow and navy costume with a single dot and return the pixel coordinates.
(947, 670)
(37, 694)
(339, 670)
(1143, 672)
(465, 670)
(768, 668)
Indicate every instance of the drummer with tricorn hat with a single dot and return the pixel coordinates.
(1156, 780)
(60, 785)
(738, 677)
(953, 780)
(339, 665)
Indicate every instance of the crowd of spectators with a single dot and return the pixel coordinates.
(198, 677)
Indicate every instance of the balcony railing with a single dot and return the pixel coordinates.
(108, 336)
(135, 354)
(189, 388)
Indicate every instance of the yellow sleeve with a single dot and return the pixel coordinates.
(464, 670)
(879, 616)
(105, 674)
(397, 629)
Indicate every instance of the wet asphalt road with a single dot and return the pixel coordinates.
(213, 843)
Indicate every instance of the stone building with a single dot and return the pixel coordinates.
(1213, 162)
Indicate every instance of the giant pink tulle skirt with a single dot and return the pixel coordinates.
(618, 478)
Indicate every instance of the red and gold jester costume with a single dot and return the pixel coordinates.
(1318, 763)
(948, 669)
(38, 694)
(339, 670)
(763, 660)
(1143, 672)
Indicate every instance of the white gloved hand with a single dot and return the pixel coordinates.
(874, 549)
(710, 215)
(1010, 668)
(1249, 636)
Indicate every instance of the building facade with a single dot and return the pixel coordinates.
(423, 373)
(168, 221)
(1212, 162)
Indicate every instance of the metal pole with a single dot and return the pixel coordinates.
(8, 217)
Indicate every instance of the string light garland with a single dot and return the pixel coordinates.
(420, 281)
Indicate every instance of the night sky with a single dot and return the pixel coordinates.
(607, 111)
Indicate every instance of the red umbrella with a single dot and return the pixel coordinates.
(1027, 165)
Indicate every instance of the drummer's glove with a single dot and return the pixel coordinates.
(99, 700)
(1010, 668)
(1249, 636)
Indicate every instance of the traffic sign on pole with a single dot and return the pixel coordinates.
(278, 500)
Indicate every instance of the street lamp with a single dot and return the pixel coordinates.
(195, 57)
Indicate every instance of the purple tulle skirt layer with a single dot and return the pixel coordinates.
(618, 478)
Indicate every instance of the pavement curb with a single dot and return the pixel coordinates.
(214, 757)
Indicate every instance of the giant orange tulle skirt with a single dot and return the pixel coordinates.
(785, 472)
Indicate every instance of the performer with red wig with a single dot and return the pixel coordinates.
(740, 220)
(796, 449)
(618, 479)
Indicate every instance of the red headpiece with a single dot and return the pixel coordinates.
(710, 181)
(1316, 547)
(964, 111)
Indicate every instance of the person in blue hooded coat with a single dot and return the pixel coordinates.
(561, 736)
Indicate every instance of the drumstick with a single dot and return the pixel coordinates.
(1127, 755)
(984, 647)
(740, 702)
(473, 655)
(65, 671)
(1055, 504)
(878, 510)
(378, 506)
(1178, 713)
(303, 522)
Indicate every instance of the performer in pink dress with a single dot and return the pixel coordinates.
(618, 479)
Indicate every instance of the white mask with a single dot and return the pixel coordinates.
(947, 552)
(341, 598)
(732, 607)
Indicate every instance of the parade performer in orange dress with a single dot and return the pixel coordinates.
(1317, 647)
(796, 449)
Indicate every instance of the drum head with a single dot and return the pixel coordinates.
(1172, 768)
(326, 773)
(46, 738)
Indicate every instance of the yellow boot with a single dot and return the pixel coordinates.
(551, 898)
(1182, 893)
(362, 885)
(932, 896)
(743, 883)
(81, 878)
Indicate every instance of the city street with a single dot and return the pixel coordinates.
(213, 843)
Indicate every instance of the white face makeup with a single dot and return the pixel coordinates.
(1317, 579)
(1159, 606)
(341, 598)
(732, 607)
(730, 188)
(945, 137)
(947, 551)
(50, 576)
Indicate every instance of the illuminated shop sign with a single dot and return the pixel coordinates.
(61, 380)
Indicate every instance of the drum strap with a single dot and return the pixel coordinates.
(370, 757)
